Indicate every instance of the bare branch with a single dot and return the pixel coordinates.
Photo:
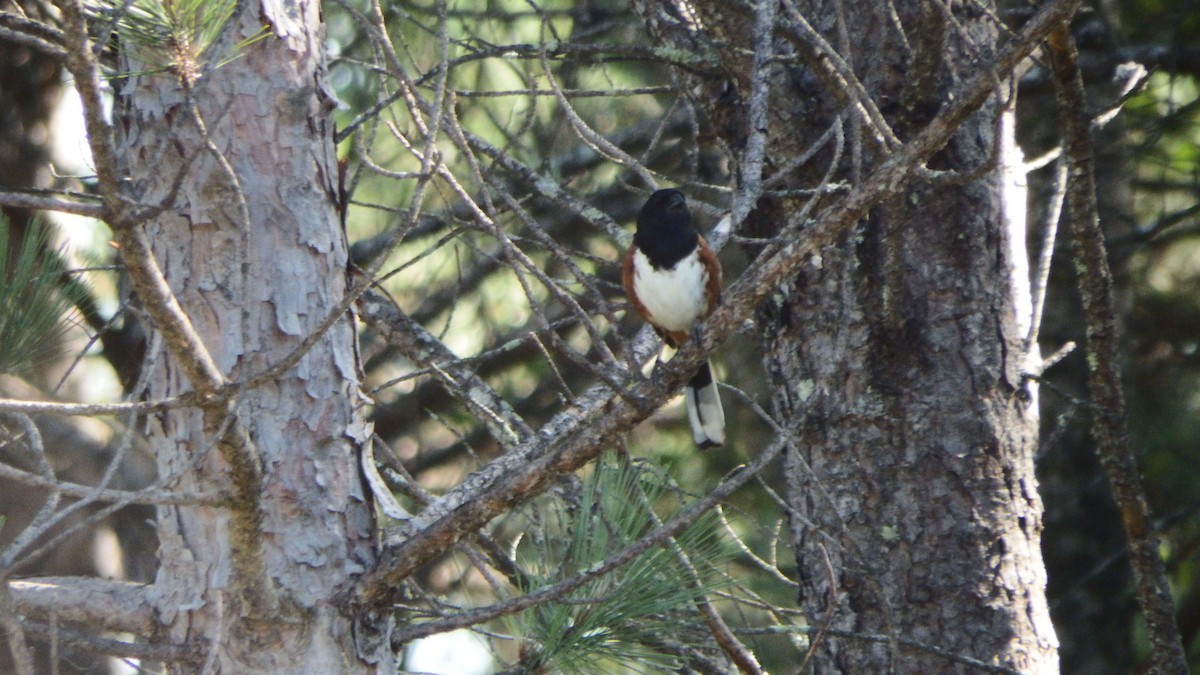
(35, 34)
(96, 409)
(156, 295)
(143, 496)
(416, 343)
(737, 652)
(93, 604)
(45, 515)
(1110, 423)
(590, 137)
(64, 203)
(829, 63)
(660, 535)
(581, 433)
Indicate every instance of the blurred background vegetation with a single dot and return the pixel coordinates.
(512, 62)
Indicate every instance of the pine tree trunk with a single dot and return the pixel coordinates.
(917, 518)
(252, 246)
(898, 361)
(897, 356)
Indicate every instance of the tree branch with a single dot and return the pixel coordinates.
(659, 535)
(35, 34)
(1110, 421)
(19, 406)
(63, 203)
(94, 604)
(416, 343)
(142, 496)
(148, 280)
(577, 435)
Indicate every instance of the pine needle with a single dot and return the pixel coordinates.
(32, 306)
(176, 36)
(613, 623)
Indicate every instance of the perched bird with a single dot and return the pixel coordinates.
(673, 279)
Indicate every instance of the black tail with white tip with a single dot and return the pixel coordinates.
(705, 413)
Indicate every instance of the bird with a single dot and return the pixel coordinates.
(673, 279)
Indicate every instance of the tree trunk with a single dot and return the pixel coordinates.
(899, 363)
(897, 358)
(253, 248)
(917, 518)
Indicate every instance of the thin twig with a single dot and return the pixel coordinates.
(418, 344)
(576, 435)
(9, 405)
(658, 536)
(45, 515)
(155, 496)
(738, 653)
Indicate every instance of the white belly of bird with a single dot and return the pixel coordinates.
(674, 298)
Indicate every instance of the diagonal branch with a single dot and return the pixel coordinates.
(577, 435)
(1110, 420)
(660, 535)
(416, 343)
(157, 298)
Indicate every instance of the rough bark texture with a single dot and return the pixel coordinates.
(917, 510)
(900, 358)
(897, 357)
(252, 246)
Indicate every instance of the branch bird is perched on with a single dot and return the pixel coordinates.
(673, 280)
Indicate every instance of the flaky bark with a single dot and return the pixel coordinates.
(251, 244)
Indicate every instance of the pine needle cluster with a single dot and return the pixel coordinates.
(623, 621)
(182, 37)
(33, 301)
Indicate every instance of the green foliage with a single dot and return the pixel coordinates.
(178, 36)
(32, 305)
(618, 621)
